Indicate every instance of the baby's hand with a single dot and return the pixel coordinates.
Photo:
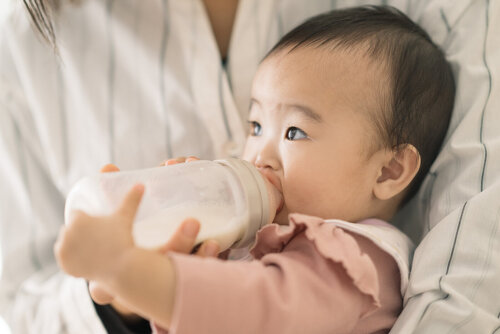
(92, 246)
(182, 241)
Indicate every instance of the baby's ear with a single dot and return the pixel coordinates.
(398, 170)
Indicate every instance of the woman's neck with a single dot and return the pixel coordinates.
(221, 14)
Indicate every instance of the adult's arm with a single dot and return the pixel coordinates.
(35, 297)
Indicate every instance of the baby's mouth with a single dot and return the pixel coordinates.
(275, 183)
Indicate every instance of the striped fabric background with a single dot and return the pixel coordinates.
(141, 81)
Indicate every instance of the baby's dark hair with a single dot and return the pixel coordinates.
(422, 91)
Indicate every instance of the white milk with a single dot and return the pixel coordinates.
(217, 223)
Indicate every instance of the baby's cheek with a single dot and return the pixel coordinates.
(315, 196)
(300, 195)
(250, 150)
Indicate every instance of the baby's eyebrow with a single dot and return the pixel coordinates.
(306, 111)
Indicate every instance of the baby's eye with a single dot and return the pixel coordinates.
(255, 128)
(293, 133)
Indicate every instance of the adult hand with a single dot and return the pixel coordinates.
(182, 241)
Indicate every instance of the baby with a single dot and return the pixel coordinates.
(348, 112)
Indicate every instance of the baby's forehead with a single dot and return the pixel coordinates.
(369, 50)
(343, 74)
(334, 61)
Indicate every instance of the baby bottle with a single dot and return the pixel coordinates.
(229, 197)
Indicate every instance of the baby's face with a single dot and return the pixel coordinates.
(311, 133)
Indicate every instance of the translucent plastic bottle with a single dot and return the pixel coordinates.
(229, 197)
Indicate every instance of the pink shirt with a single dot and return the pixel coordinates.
(308, 277)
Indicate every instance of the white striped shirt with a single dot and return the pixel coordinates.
(140, 81)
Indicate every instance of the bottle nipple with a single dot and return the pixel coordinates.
(275, 200)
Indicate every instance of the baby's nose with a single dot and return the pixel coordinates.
(263, 163)
(267, 158)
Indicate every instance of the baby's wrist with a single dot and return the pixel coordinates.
(113, 270)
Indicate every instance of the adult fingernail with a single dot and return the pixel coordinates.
(190, 229)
